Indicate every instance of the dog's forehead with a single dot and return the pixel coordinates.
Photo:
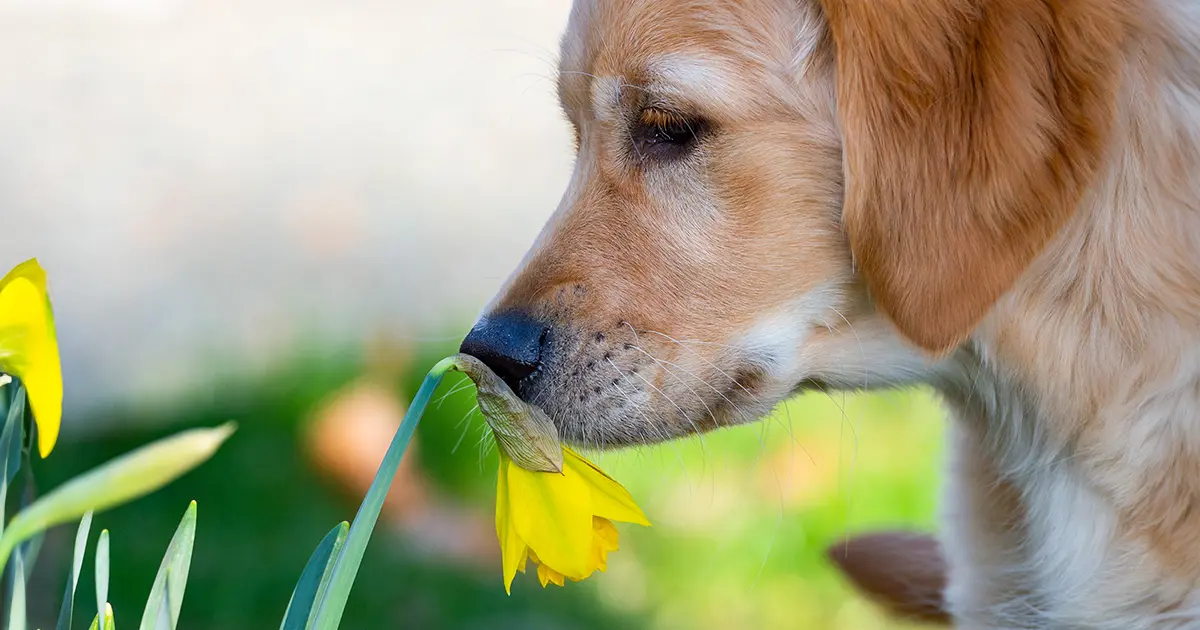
(683, 81)
(703, 53)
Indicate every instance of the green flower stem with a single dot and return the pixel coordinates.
(345, 569)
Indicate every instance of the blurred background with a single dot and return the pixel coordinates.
(282, 213)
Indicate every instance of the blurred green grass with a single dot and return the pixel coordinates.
(741, 517)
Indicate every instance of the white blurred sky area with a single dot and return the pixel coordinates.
(231, 178)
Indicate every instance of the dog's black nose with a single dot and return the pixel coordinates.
(509, 343)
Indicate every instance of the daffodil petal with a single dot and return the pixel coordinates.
(513, 550)
(552, 513)
(523, 561)
(605, 534)
(609, 498)
(598, 561)
(546, 576)
(604, 540)
(29, 348)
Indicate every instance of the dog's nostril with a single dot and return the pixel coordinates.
(509, 343)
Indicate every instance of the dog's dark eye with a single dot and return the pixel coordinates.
(660, 133)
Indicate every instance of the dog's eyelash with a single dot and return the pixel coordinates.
(667, 126)
(664, 134)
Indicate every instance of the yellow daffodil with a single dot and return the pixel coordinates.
(552, 506)
(562, 521)
(29, 349)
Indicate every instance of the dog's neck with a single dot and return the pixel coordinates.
(1110, 313)
(1082, 388)
(1103, 331)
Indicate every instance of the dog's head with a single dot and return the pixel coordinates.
(770, 194)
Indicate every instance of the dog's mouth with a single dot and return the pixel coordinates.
(622, 388)
(615, 384)
(811, 385)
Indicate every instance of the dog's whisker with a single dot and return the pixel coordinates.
(711, 364)
(774, 531)
(664, 363)
(696, 342)
(465, 429)
(736, 408)
(699, 436)
(453, 390)
(651, 426)
(483, 446)
(854, 448)
(544, 55)
(841, 440)
(668, 399)
(791, 430)
(732, 405)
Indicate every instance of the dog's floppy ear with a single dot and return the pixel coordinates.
(971, 129)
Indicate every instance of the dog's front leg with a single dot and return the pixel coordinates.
(983, 534)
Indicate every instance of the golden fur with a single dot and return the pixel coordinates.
(1013, 103)
(1000, 198)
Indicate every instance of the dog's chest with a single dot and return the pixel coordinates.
(1095, 527)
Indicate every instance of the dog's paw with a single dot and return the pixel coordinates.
(903, 572)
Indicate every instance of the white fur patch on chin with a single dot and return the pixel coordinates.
(863, 353)
(774, 342)
(869, 354)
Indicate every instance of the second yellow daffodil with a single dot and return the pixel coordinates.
(29, 347)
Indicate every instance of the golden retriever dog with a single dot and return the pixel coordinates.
(998, 198)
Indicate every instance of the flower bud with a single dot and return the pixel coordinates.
(524, 432)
